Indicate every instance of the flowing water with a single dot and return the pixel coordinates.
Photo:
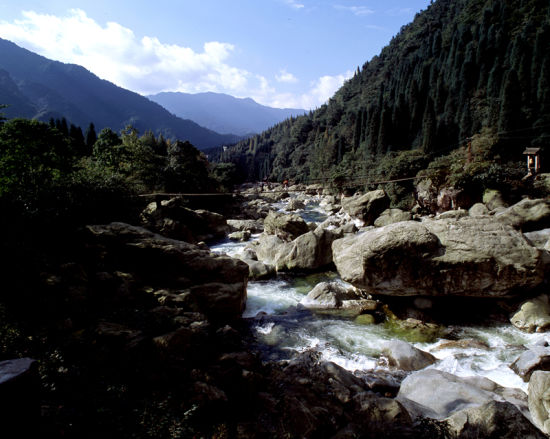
(282, 329)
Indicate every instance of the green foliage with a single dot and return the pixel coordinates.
(225, 175)
(34, 159)
(186, 170)
(476, 168)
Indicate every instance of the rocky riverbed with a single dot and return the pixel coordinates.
(455, 279)
(304, 315)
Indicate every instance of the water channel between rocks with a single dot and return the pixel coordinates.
(282, 329)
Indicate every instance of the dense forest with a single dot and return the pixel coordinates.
(58, 175)
(462, 69)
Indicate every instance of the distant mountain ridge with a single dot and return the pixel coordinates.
(36, 87)
(224, 113)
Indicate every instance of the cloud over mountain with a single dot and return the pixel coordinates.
(147, 65)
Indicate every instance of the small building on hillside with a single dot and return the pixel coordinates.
(533, 160)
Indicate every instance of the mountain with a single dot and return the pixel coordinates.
(462, 67)
(223, 113)
(36, 87)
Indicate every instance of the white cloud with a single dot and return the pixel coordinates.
(356, 10)
(294, 4)
(285, 76)
(319, 92)
(113, 52)
(147, 65)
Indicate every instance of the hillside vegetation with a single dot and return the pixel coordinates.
(462, 68)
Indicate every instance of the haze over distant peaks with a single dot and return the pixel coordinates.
(223, 113)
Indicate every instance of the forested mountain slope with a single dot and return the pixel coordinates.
(462, 66)
(36, 87)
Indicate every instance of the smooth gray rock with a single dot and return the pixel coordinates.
(252, 226)
(310, 251)
(366, 207)
(469, 257)
(241, 236)
(217, 283)
(533, 315)
(539, 399)
(390, 216)
(295, 204)
(404, 356)
(172, 219)
(287, 227)
(438, 395)
(478, 209)
(527, 215)
(260, 271)
(493, 420)
(337, 297)
(536, 358)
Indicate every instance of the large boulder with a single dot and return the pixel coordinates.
(258, 270)
(287, 227)
(381, 260)
(404, 356)
(467, 257)
(274, 196)
(215, 283)
(366, 207)
(390, 216)
(172, 219)
(527, 215)
(493, 420)
(436, 394)
(252, 226)
(539, 399)
(533, 315)
(478, 209)
(295, 204)
(536, 358)
(310, 251)
(19, 397)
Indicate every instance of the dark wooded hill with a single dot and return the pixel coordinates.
(461, 67)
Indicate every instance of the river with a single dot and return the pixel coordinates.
(282, 329)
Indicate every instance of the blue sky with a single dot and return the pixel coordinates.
(283, 53)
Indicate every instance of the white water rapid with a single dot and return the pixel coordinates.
(282, 329)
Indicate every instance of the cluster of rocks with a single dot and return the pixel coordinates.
(175, 306)
(490, 251)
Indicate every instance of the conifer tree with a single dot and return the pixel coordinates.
(91, 137)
